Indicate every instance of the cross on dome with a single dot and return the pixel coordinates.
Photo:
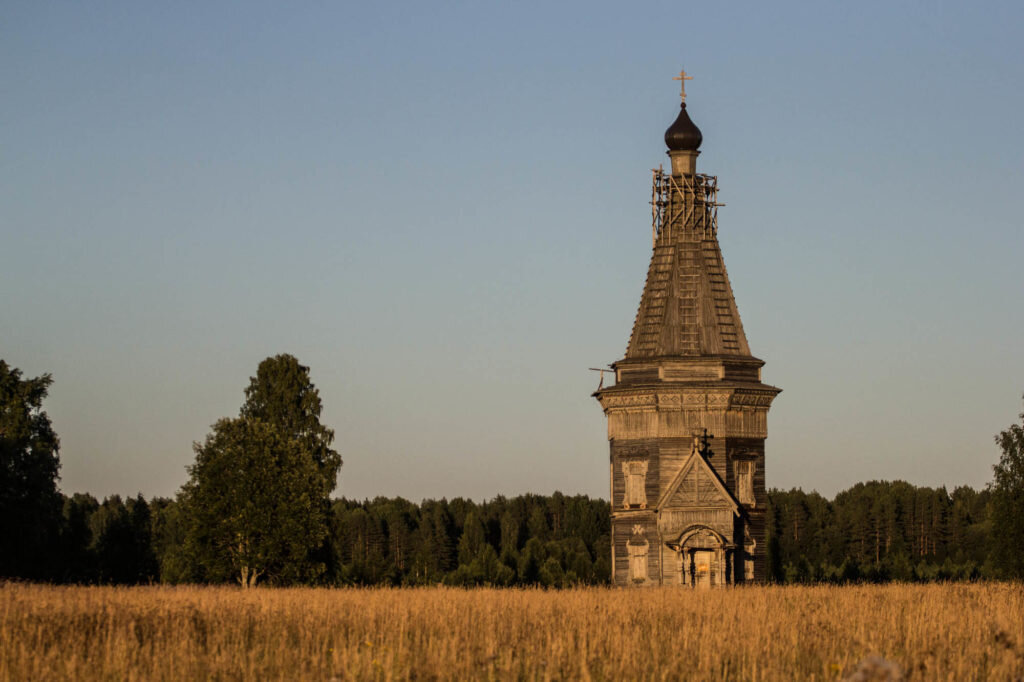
(682, 78)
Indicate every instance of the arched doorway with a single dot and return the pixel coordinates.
(703, 557)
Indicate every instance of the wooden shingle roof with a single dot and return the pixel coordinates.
(687, 307)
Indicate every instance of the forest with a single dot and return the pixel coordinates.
(873, 532)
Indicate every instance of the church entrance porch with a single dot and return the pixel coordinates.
(703, 558)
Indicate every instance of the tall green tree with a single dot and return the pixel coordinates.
(282, 394)
(258, 500)
(255, 504)
(30, 506)
(1008, 502)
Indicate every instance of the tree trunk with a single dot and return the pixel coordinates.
(248, 576)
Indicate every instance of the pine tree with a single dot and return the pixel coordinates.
(537, 526)
(510, 532)
(473, 539)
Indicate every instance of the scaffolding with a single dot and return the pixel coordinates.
(683, 205)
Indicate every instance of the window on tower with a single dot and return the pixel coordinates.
(635, 473)
(637, 547)
(745, 481)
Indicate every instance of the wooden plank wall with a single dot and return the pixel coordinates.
(622, 531)
(753, 449)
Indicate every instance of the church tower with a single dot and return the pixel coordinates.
(687, 414)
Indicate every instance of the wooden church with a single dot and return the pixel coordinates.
(687, 414)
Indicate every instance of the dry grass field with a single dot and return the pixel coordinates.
(932, 632)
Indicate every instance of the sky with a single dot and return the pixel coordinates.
(442, 209)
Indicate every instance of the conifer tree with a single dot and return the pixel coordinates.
(473, 539)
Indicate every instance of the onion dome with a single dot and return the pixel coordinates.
(683, 135)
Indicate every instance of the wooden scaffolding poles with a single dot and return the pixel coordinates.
(685, 204)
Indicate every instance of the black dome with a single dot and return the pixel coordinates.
(683, 135)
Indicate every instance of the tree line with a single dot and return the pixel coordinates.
(880, 531)
(552, 540)
(876, 532)
(257, 509)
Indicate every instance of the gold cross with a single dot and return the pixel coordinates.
(682, 85)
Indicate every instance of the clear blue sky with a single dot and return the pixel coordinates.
(441, 208)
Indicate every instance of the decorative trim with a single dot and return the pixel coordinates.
(628, 400)
(753, 399)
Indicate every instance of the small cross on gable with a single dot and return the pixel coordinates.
(705, 445)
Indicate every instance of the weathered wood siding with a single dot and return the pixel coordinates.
(650, 422)
(622, 531)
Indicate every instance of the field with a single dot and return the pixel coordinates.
(932, 632)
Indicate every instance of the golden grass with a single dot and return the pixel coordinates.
(933, 632)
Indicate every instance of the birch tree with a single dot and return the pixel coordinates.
(255, 505)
